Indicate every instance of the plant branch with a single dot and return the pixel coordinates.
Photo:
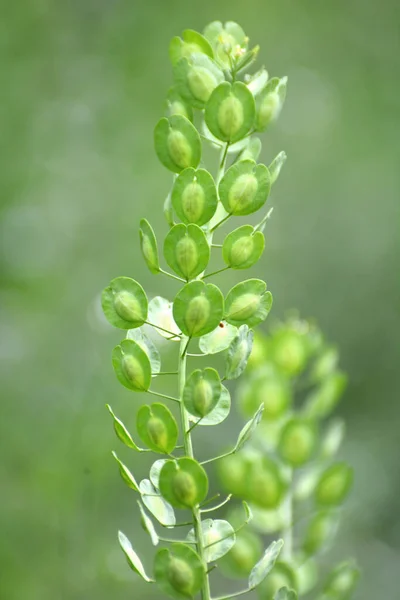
(218, 505)
(215, 272)
(171, 275)
(171, 333)
(205, 462)
(234, 595)
(163, 396)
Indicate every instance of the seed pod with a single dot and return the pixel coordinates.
(325, 364)
(276, 166)
(342, 581)
(186, 250)
(257, 82)
(132, 366)
(218, 538)
(334, 485)
(320, 531)
(321, 402)
(157, 427)
(298, 441)
(243, 247)
(239, 352)
(265, 485)
(289, 350)
(230, 111)
(160, 314)
(124, 303)
(176, 105)
(270, 101)
(192, 42)
(177, 143)
(244, 188)
(194, 196)
(183, 482)
(196, 77)
(219, 412)
(232, 473)
(148, 246)
(226, 39)
(146, 344)
(198, 308)
(202, 392)
(248, 303)
(282, 575)
(271, 388)
(252, 150)
(178, 571)
(243, 556)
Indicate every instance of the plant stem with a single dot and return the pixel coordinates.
(172, 334)
(234, 595)
(171, 275)
(220, 223)
(205, 462)
(187, 443)
(215, 272)
(163, 396)
(287, 533)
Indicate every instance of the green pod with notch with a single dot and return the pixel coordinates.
(177, 143)
(298, 441)
(194, 196)
(178, 571)
(124, 303)
(230, 111)
(269, 102)
(148, 246)
(157, 427)
(196, 77)
(186, 250)
(191, 42)
(243, 247)
(183, 482)
(132, 366)
(202, 392)
(334, 485)
(198, 308)
(248, 303)
(176, 105)
(244, 188)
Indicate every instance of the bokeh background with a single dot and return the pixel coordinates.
(82, 85)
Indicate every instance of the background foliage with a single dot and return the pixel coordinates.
(82, 87)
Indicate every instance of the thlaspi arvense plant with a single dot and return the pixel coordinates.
(213, 102)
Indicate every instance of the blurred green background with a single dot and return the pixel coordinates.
(82, 85)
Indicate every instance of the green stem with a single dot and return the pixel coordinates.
(172, 334)
(215, 272)
(287, 532)
(205, 462)
(188, 446)
(172, 276)
(220, 223)
(222, 163)
(218, 505)
(163, 396)
(234, 595)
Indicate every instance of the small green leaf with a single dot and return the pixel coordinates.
(186, 250)
(147, 525)
(149, 347)
(194, 196)
(265, 565)
(132, 366)
(192, 43)
(219, 339)
(176, 105)
(202, 392)
(148, 246)
(244, 188)
(124, 303)
(298, 441)
(270, 102)
(183, 482)
(157, 427)
(238, 353)
(196, 77)
(122, 432)
(219, 413)
(248, 303)
(177, 143)
(230, 111)
(248, 430)
(198, 308)
(218, 537)
(133, 560)
(334, 485)
(243, 247)
(155, 503)
(126, 474)
(155, 471)
(285, 594)
(178, 571)
(276, 166)
(160, 314)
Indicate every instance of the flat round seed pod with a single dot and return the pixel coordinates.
(124, 303)
(157, 427)
(219, 412)
(183, 482)
(269, 102)
(334, 485)
(248, 303)
(269, 387)
(198, 308)
(132, 366)
(239, 352)
(213, 531)
(247, 550)
(202, 391)
(243, 247)
(264, 484)
(244, 188)
(186, 250)
(148, 246)
(196, 77)
(298, 441)
(219, 339)
(178, 571)
(192, 42)
(160, 314)
(177, 143)
(230, 111)
(194, 196)
(225, 39)
(342, 581)
(176, 105)
(146, 344)
(320, 531)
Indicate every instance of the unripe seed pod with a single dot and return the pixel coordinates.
(243, 247)
(270, 102)
(265, 485)
(186, 250)
(202, 397)
(298, 441)
(124, 303)
(201, 83)
(133, 370)
(157, 427)
(179, 149)
(270, 388)
(282, 575)
(177, 143)
(202, 392)
(176, 105)
(230, 116)
(198, 308)
(193, 201)
(198, 312)
(132, 366)
(178, 571)
(243, 556)
(196, 77)
(290, 351)
(232, 474)
(194, 196)
(158, 433)
(342, 581)
(334, 485)
(148, 245)
(127, 306)
(244, 188)
(192, 42)
(180, 576)
(230, 111)
(239, 352)
(183, 482)
(320, 531)
(248, 303)
(184, 487)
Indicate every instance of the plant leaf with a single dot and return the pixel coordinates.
(133, 560)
